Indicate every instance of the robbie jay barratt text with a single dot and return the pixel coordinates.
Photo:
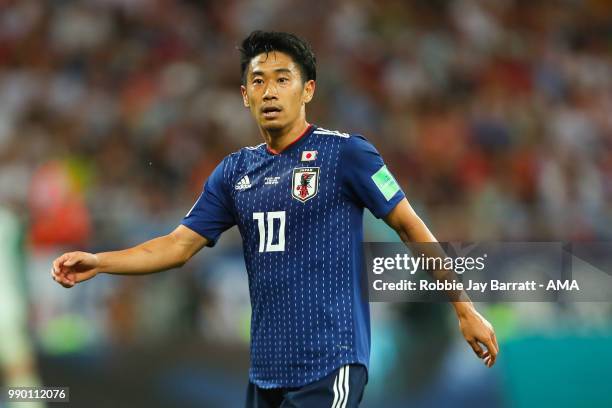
(493, 285)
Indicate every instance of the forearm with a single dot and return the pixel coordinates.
(417, 236)
(156, 255)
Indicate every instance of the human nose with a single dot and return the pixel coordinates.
(270, 92)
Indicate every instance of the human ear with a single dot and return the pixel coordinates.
(309, 89)
(245, 98)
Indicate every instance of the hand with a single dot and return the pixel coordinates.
(74, 267)
(478, 331)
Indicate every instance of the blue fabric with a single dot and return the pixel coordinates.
(301, 223)
(342, 388)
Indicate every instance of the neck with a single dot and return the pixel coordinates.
(278, 139)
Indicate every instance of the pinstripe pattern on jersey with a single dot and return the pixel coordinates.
(302, 298)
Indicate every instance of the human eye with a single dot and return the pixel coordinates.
(283, 80)
(257, 81)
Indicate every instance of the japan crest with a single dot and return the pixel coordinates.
(305, 183)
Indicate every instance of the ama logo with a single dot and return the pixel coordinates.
(305, 183)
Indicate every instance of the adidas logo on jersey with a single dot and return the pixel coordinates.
(243, 184)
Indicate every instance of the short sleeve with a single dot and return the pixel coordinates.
(212, 214)
(366, 179)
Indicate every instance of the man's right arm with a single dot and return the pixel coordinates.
(159, 254)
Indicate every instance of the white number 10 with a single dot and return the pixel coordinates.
(269, 246)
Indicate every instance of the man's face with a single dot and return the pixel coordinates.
(274, 91)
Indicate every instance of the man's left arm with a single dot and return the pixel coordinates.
(476, 330)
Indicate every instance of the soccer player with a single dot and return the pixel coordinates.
(298, 201)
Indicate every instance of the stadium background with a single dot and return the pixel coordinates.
(495, 116)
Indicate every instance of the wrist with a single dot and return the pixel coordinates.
(463, 308)
(99, 262)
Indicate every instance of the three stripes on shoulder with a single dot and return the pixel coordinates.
(322, 131)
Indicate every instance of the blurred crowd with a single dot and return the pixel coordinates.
(494, 115)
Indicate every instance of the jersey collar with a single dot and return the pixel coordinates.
(301, 137)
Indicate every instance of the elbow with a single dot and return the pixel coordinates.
(176, 260)
(400, 230)
(179, 252)
(407, 231)
(182, 260)
(404, 235)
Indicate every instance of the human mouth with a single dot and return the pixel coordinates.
(270, 112)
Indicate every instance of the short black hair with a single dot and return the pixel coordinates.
(299, 50)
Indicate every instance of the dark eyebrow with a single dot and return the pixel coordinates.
(285, 70)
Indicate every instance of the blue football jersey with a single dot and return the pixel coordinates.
(300, 215)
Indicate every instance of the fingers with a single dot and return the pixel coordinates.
(492, 351)
(476, 347)
(73, 267)
(72, 260)
(490, 355)
(66, 261)
(62, 279)
(479, 333)
(61, 271)
(57, 264)
(494, 338)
